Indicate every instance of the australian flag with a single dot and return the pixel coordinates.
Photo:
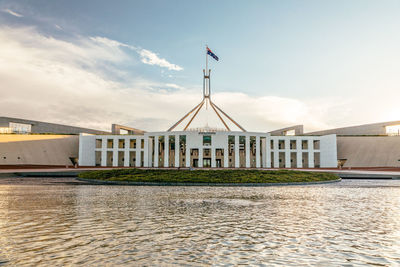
(212, 54)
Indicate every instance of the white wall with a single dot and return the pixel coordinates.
(87, 146)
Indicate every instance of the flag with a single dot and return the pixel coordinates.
(212, 54)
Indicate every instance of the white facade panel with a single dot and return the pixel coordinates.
(323, 155)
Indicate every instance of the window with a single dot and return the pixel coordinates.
(98, 143)
(290, 133)
(292, 144)
(20, 127)
(207, 140)
(110, 143)
(121, 143)
(304, 144)
(316, 144)
(393, 130)
(133, 143)
(281, 144)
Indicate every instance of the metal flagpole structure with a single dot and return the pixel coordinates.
(207, 100)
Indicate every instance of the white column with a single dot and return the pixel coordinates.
(299, 154)
(257, 151)
(188, 163)
(226, 153)
(147, 151)
(263, 150)
(115, 152)
(177, 151)
(126, 153)
(268, 152)
(276, 153)
(166, 151)
(200, 157)
(237, 159)
(103, 152)
(247, 151)
(213, 161)
(287, 153)
(310, 153)
(138, 150)
(156, 151)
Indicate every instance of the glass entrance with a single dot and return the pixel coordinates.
(207, 162)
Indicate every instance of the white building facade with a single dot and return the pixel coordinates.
(219, 149)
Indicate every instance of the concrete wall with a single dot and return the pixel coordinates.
(45, 127)
(38, 149)
(366, 129)
(328, 155)
(298, 130)
(369, 151)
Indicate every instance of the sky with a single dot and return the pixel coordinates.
(324, 64)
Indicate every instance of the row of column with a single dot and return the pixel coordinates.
(299, 154)
(127, 151)
(200, 156)
(268, 162)
(166, 151)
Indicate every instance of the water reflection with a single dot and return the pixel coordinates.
(354, 222)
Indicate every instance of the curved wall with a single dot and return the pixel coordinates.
(38, 149)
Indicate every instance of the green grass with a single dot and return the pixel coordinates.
(207, 176)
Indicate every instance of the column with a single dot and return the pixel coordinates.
(213, 161)
(103, 152)
(287, 153)
(177, 151)
(156, 151)
(126, 153)
(247, 151)
(138, 150)
(299, 154)
(200, 157)
(226, 153)
(166, 151)
(268, 152)
(115, 152)
(276, 153)
(237, 159)
(263, 150)
(187, 160)
(310, 153)
(146, 151)
(258, 152)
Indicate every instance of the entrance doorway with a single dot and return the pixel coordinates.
(218, 163)
(207, 162)
(195, 163)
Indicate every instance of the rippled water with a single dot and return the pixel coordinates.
(347, 223)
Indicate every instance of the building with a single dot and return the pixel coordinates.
(369, 145)
(221, 149)
(28, 142)
(22, 126)
(209, 147)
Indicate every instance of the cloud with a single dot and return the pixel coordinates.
(49, 79)
(13, 13)
(147, 56)
(152, 58)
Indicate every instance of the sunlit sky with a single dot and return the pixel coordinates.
(323, 64)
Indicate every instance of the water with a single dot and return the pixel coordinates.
(52, 222)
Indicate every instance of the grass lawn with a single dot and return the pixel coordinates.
(207, 176)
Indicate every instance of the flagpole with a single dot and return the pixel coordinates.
(206, 75)
(206, 61)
